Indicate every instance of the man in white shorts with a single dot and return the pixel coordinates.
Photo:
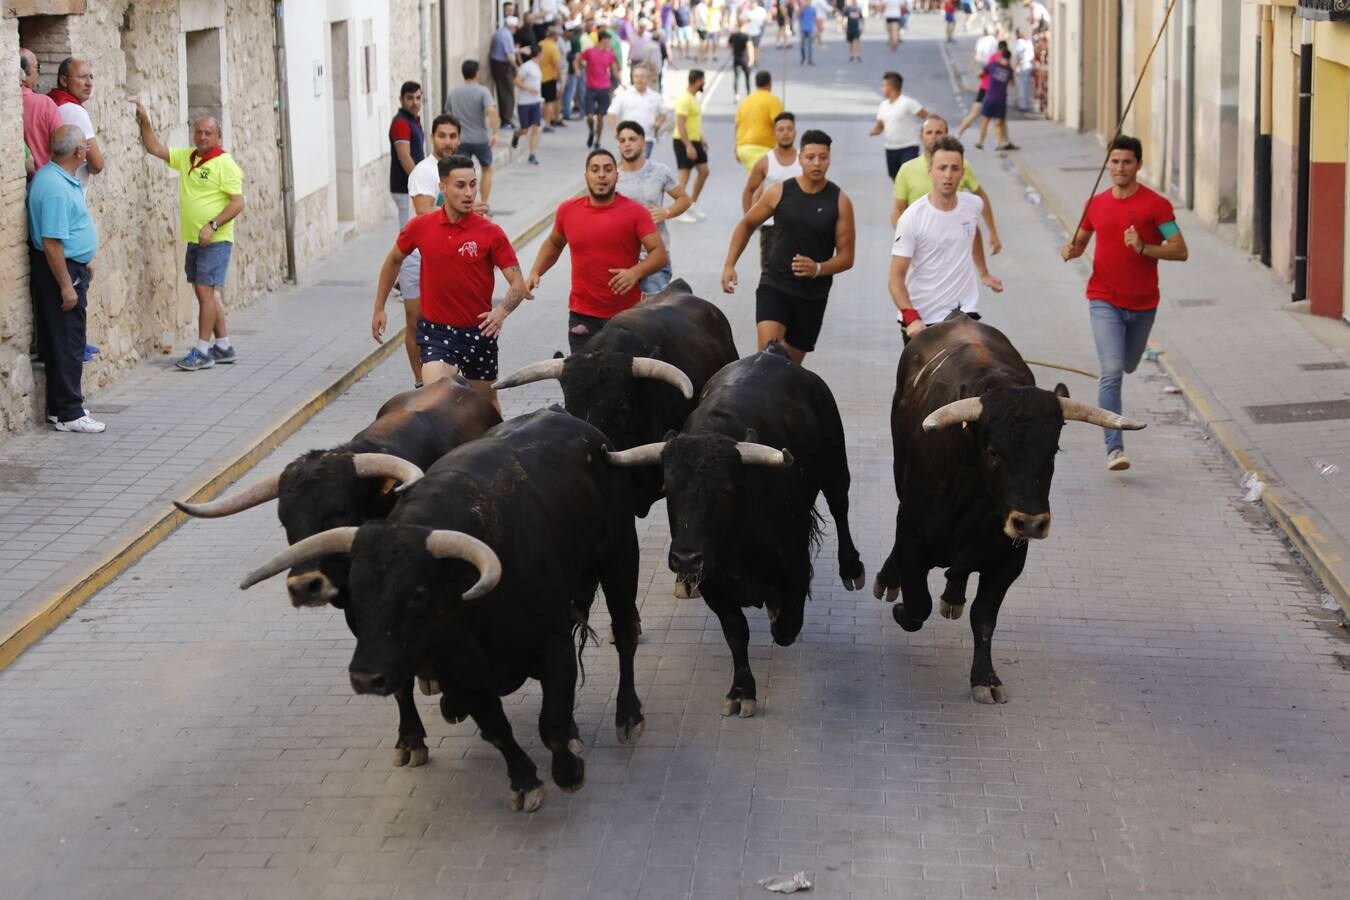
(937, 260)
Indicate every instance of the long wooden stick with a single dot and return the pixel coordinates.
(1062, 368)
(1123, 113)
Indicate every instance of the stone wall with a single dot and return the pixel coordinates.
(139, 291)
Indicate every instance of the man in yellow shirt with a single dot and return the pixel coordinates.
(550, 71)
(913, 181)
(754, 121)
(691, 150)
(210, 195)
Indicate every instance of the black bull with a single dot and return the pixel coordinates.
(971, 496)
(482, 574)
(638, 377)
(353, 483)
(742, 511)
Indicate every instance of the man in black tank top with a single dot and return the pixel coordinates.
(813, 242)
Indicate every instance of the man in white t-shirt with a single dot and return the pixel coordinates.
(424, 190)
(894, 11)
(752, 23)
(74, 87)
(641, 104)
(937, 260)
(529, 104)
(899, 118)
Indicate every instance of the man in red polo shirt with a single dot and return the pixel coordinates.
(1135, 228)
(458, 328)
(607, 233)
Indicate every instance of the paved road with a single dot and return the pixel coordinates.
(1177, 727)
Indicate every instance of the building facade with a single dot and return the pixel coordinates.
(304, 91)
(1242, 112)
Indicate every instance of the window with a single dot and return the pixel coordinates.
(204, 81)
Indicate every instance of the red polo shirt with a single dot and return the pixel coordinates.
(1120, 276)
(602, 238)
(458, 263)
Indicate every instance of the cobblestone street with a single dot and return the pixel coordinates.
(1178, 723)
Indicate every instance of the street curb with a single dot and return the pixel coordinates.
(1328, 564)
(145, 537)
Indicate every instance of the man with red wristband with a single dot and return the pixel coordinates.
(937, 260)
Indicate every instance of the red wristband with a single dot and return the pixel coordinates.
(908, 316)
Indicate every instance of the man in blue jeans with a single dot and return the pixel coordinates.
(806, 27)
(1135, 228)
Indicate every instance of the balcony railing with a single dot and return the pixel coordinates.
(1327, 10)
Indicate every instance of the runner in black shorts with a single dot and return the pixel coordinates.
(813, 242)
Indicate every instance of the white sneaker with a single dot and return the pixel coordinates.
(687, 217)
(697, 213)
(84, 425)
(52, 419)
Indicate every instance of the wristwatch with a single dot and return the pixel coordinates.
(214, 226)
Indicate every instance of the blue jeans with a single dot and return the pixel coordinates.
(1121, 336)
(808, 50)
(1024, 90)
(656, 282)
(572, 92)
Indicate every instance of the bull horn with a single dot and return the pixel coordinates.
(763, 455)
(1077, 411)
(645, 455)
(255, 494)
(967, 410)
(386, 465)
(538, 371)
(316, 546)
(646, 367)
(444, 544)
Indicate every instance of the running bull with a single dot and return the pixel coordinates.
(354, 483)
(483, 574)
(743, 523)
(975, 443)
(638, 376)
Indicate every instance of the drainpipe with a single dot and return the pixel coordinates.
(1305, 86)
(1188, 129)
(445, 55)
(282, 105)
(1265, 72)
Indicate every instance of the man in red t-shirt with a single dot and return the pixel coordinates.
(459, 248)
(607, 233)
(1135, 228)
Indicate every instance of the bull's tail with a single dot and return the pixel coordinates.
(582, 633)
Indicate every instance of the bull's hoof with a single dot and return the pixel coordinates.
(428, 686)
(569, 772)
(881, 591)
(904, 621)
(951, 610)
(410, 752)
(637, 632)
(630, 732)
(450, 712)
(576, 745)
(740, 706)
(528, 800)
(983, 693)
(687, 591)
(856, 582)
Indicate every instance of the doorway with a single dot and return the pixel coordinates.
(344, 175)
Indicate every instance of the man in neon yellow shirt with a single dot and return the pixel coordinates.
(691, 150)
(913, 181)
(210, 196)
(754, 121)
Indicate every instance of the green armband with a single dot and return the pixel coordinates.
(1169, 230)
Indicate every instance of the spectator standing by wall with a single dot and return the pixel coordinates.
(1024, 56)
(502, 61)
(40, 115)
(210, 196)
(407, 147)
(62, 242)
(74, 87)
(472, 104)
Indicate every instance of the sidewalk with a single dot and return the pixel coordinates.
(1268, 379)
(75, 510)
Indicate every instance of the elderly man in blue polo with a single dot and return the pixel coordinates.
(62, 243)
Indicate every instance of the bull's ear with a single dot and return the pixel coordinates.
(1061, 390)
(670, 435)
(557, 354)
(751, 436)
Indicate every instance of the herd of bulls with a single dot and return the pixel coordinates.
(465, 551)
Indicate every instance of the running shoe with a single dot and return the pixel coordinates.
(195, 360)
(225, 357)
(533, 160)
(83, 425)
(1117, 461)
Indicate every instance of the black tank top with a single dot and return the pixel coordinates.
(803, 223)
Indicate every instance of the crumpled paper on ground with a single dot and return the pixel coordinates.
(786, 884)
